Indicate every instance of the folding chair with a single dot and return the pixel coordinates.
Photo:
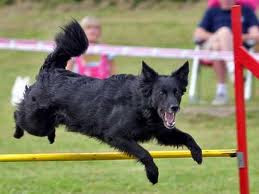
(194, 89)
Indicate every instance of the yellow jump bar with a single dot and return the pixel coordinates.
(108, 155)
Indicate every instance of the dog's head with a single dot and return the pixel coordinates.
(165, 92)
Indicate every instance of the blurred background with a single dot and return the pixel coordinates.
(149, 23)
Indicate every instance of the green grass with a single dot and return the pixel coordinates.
(167, 25)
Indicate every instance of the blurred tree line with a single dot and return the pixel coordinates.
(133, 3)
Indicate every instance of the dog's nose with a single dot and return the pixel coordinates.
(174, 108)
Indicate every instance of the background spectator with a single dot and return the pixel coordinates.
(252, 3)
(98, 66)
(215, 30)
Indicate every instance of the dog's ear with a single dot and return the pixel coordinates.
(182, 74)
(148, 74)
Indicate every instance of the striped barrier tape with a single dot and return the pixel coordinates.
(134, 51)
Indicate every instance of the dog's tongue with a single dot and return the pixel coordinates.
(169, 117)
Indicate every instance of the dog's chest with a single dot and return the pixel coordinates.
(147, 129)
(143, 135)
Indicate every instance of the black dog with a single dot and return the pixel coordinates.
(120, 111)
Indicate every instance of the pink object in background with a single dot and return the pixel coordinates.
(212, 3)
(101, 71)
(251, 3)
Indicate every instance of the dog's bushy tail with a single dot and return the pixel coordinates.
(71, 42)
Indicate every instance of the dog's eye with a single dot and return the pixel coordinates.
(162, 92)
(177, 92)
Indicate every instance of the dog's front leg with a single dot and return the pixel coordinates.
(133, 149)
(175, 137)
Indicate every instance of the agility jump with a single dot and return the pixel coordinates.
(108, 155)
(242, 59)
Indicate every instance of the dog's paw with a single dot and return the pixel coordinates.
(18, 134)
(152, 173)
(51, 137)
(197, 154)
(51, 140)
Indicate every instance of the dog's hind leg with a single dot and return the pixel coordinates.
(133, 149)
(18, 132)
(51, 136)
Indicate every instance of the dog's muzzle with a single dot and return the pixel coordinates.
(168, 117)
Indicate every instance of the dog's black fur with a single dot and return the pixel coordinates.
(120, 111)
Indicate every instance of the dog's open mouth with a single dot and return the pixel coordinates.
(168, 119)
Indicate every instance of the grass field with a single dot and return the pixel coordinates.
(165, 25)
